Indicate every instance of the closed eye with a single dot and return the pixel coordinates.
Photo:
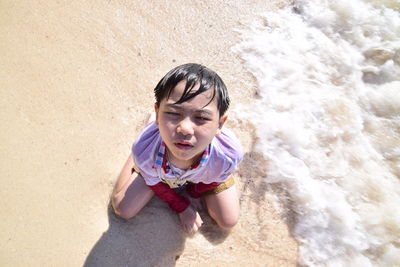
(203, 118)
(171, 113)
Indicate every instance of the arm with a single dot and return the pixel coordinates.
(130, 193)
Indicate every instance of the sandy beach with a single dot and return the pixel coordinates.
(76, 82)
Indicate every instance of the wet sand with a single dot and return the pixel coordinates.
(76, 81)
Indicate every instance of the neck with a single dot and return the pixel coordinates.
(184, 165)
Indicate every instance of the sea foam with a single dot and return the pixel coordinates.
(328, 123)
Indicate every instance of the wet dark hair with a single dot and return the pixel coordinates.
(193, 74)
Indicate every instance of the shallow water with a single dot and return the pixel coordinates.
(327, 118)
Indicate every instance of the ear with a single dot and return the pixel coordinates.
(156, 111)
(221, 123)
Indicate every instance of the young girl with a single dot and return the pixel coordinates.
(184, 147)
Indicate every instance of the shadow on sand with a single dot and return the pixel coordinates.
(152, 238)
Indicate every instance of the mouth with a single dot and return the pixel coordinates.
(184, 145)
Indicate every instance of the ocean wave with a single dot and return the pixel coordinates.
(327, 116)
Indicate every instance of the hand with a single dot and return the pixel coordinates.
(190, 219)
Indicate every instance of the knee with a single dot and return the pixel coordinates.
(228, 223)
(122, 212)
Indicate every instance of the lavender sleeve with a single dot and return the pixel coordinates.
(144, 150)
(225, 157)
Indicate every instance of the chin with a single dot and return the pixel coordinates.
(184, 155)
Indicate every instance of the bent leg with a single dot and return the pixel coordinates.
(224, 207)
(130, 193)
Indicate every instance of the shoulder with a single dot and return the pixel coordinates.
(144, 150)
(150, 131)
(225, 155)
(147, 139)
(227, 146)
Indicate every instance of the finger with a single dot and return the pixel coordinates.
(198, 218)
(185, 227)
(189, 230)
(198, 224)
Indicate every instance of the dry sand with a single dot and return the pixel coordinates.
(76, 80)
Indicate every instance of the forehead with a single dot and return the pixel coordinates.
(200, 101)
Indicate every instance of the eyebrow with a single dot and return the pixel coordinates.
(175, 106)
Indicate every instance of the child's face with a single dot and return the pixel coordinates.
(188, 128)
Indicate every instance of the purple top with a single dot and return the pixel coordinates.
(219, 160)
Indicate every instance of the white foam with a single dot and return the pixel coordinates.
(327, 120)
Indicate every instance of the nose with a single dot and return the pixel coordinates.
(185, 127)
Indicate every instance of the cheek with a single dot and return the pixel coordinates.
(167, 129)
(207, 134)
